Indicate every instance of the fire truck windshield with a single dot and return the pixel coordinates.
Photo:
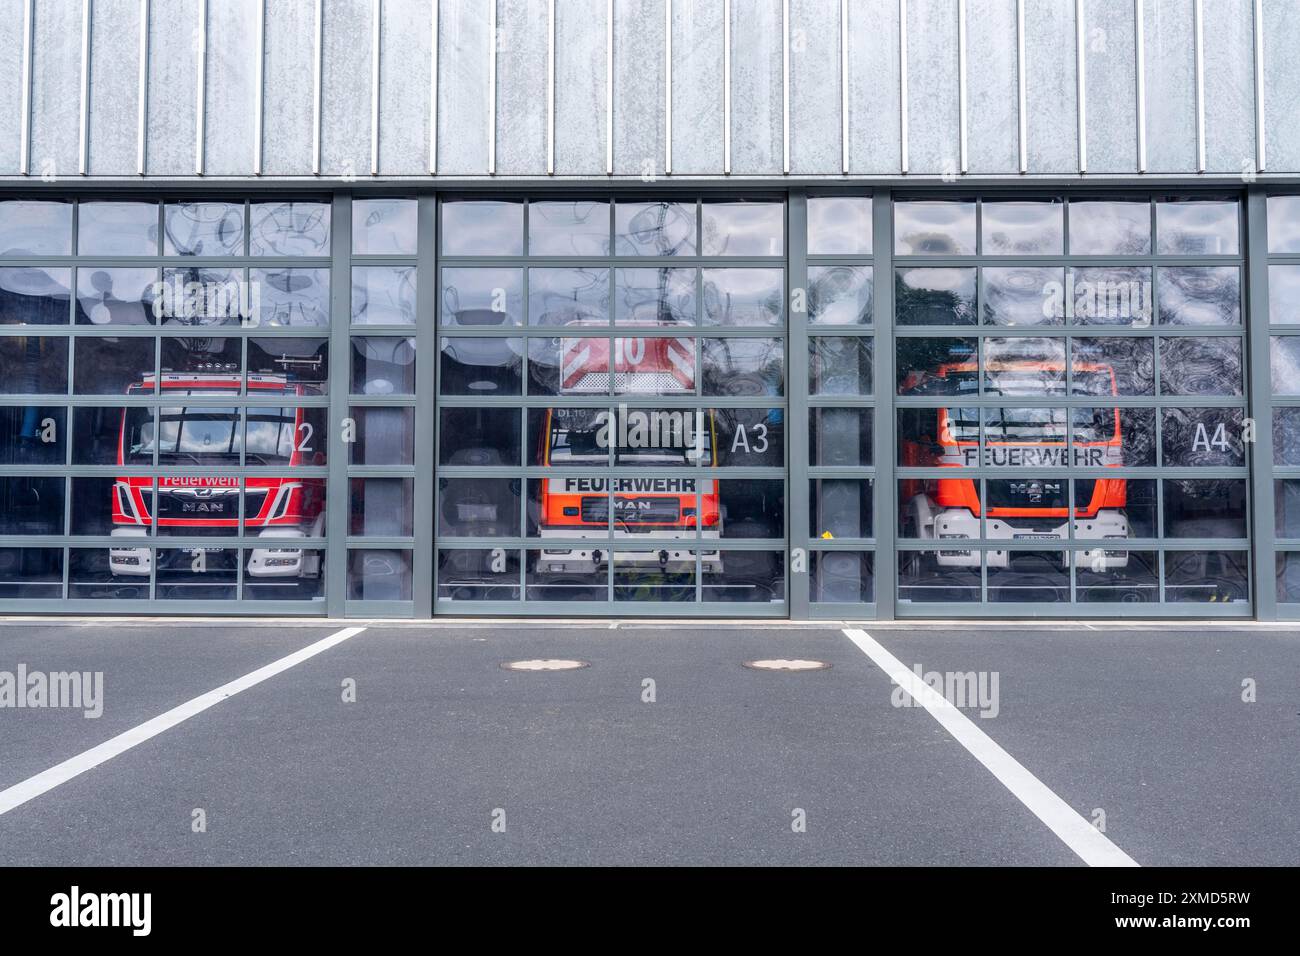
(638, 435)
(209, 435)
(1031, 424)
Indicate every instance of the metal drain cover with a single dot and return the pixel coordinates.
(784, 664)
(545, 664)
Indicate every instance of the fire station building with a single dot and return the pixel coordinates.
(735, 308)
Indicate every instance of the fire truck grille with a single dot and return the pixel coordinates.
(197, 508)
(1028, 493)
(632, 511)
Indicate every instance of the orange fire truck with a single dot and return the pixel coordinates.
(1017, 508)
(283, 510)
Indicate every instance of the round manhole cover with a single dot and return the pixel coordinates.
(544, 664)
(784, 664)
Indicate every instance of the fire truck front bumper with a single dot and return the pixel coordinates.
(130, 562)
(1097, 540)
(661, 550)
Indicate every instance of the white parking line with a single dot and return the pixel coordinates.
(47, 780)
(1087, 842)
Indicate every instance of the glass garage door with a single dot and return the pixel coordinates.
(1070, 406)
(611, 407)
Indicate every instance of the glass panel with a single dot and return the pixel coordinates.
(568, 296)
(934, 228)
(117, 229)
(744, 229)
(479, 436)
(1113, 366)
(205, 363)
(744, 576)
(210, 507)
(121, 507)
(1103, 576)
(34, 365)
(1200, 366)
(1105, 437)
(116, 366)
(383, 365)
(113, 435)
(118, 296)
(1024, 366)
(284, 574)
(1286, 508)
(1283, 224)
(839, 508)
(196, 574)
(1288, 577)
(576, 228)
(1024, 296)
(375, 575)
(201, 297)
(655, 296)
(744, 297)
(1200, 295)
(936, 366)
(567, 575)
(289, 297)
(568, 366)
(482, 228)
(1106, 295)
(384, 436)
(839, 295)
(33, 505)
(1022, 228)
(1202, 437)
(109, 574)
(482, 297)
(934, 297)
(750, 508)
(478, 507)
(1040, 577)
(290, 228)
(1286, 435)
(31, 573)
(740, 437)
(743, 366)
(1115, 508)
(204, 229)
(32, 435)
(945, 577)
(839, 226)
(481, 366)
(654, 229)
(643, 576)
(1284, 364)
(654, 365)
(381, 507)
(1196, 227)
(1283, 295)
(840, 365)
(30, 295)
(481, 575)
(1207, 576)
(842, 577)
(384, 227)
(383, 295)
(286, 436)
(289, 366)
(1205, 508)
(840, 436)
(1100, 228)
(31, 227)
(569, 437)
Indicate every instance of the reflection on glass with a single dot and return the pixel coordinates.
(568, 437)
(934, 228)
(1205, 508)
(655, 296)
(190, 296)
(639, 579)
(561, 577)
(1039, 577)
(1015, 228)
(936, 366)
(294, 366)
(744, 297)
(116, 296)
(117, 229)
(199, 435)
(207, 363)
(482, 297)
(289, 229)
(1196, 227)
(35, 228)
(1130, 441)
(1202, 437)
(1106, 295)
(574, 228)
(375, 575)
(31, 573)
(1200, 295)
(93, 574)
(744, 576)
(481, 366)
(479, 436)
(31, 295)
(1024, 296)
(1283, 224)
(204, 229)
(752, 508)
(841, 577)
(478, 507)
(654, 365)
(383, 295)
(840, 436)
(744, 228)
(384, 227)
(482, 228)
(1113, 365)
(1024, 366)
(742, 437)
(743, 366)
(196, 574)
(1207, 576)
(1286, 436)
(1284, 295)
(839, 508)
(840, 365)
(1200, 366)
(33, 435)
(33, 365)
(1105, 228)
(569, 365)
(934, 296)
(33, 505)
(839, 226)
(568, 296)
(1286, 508)
(922, 580)
(478, 575)
(1288, 577)
(1284, 363)
(839, 295)
(109, 366)
(384, 436)
(381, 507)
(1137, 582)
(654, 229)
(289, 297)
(383, 365)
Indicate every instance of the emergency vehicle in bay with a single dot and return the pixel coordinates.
(1032, 440)
(281, 510)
